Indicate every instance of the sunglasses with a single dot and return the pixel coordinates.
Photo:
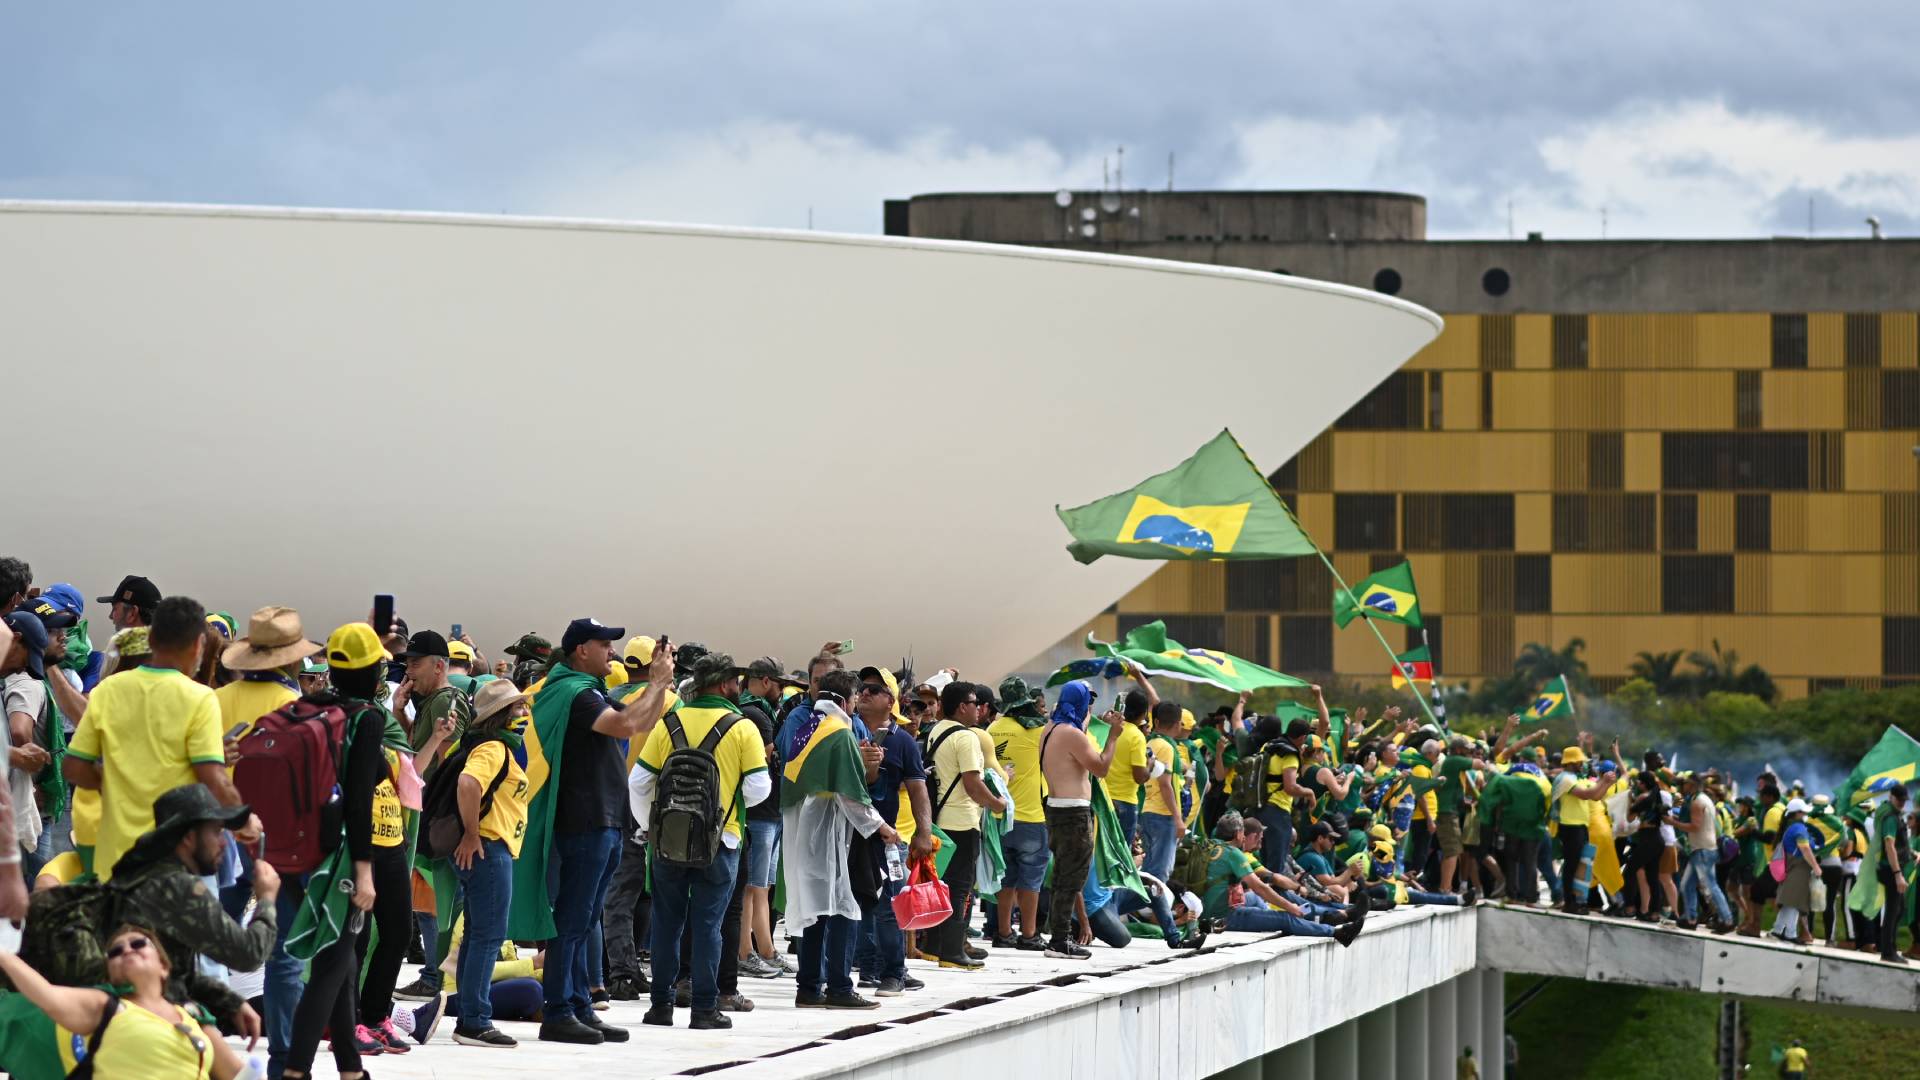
(132, 944)
(873, 688)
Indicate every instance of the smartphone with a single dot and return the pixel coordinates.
(455, 636)
(662, 642)
(237, 729)
(846, 647)
(383, 614)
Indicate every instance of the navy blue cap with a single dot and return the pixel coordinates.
(33, 634)
(581, 631)
(58, 607)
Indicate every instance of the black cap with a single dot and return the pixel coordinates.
(134, 590)
(426, 643)
(1317, 830)
(713, 669)
(33, 634)
(581, 631)
(769, 668)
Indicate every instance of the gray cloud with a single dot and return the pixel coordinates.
(496, 106)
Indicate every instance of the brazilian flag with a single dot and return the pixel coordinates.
(1214, 505)
(1554, 699)
(1388, 595)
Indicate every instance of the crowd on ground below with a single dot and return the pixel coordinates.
(214, 830)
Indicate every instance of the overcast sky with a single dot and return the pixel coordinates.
(1677, 119)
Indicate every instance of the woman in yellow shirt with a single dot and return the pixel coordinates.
(138, 1034)
(484, 857)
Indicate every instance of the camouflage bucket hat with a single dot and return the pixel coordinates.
(1017, 698)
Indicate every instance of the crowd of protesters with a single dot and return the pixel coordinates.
(609, 817)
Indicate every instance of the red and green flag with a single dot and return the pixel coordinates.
(1415, 666)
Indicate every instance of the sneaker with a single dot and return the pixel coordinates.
(804, 1000)
(911, 983)
(889, 987)
(569, 1030)
(607, 1031)
(735, 1002)
(486, 1036)
(621, 988)
(1006, 942)
(658, 1016)
(962, 963)
(975, 952)
(1346, 934)
(426, 1019)
(364, 1042)
(848, 1000)
(703, 1020)
(866, 983)
(389, 1038)
(1893, 958)
(1031, 944)
(1193, 942)
(683, 994)
(1498, 891)
(785, 965)
(1061, 949)
(756, 967)
(1722, 928)
(1686, 924)
(417, 990)
(602, 1001)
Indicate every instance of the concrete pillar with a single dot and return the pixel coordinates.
(1443, 1036)
(1377, 1043)
(1410, 1037)
(1336, 1053)
(1291, 1062)
(1493, 1023)
(1467, 1026)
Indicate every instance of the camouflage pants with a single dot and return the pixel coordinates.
(1070, 835)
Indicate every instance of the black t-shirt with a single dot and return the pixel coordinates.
(593, 772)
(756, 710)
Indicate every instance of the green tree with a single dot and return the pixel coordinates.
(1537, 663)
(1661, 670)
(1721, 671)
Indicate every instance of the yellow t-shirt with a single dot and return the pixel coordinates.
(1161, 750)
(740, 754)
(86, 816)
(62, 868)
(1130, 754)
(1795, 1059)
(389, 824)
(140, 1043)
(146, 729)
(1425, 807)
(246, 701)
(1277, 766)
(506, 818)
(1019, 747)
(954, 756)
(1573, 808)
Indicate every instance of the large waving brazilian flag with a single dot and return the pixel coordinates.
(1214, 505)
(1554, 699)
(530, 916)
(1895, 757)
(1152, 651)
(826, 762)
(1388, 595)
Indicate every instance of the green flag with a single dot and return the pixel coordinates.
(1151, 650)
(1895, 757)
(1554, 699)
(1214, 505)
(1388, 595)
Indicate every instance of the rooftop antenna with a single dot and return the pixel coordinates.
(1169, 170)
(1873, 223)
(1603, 223)
(1106, 173)
(809, 219)
(1120, 169)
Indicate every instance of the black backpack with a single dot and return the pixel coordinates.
(63, 937)
(441, 827)
(927, 750)
(687, 820)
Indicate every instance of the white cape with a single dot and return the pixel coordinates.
(813, 839)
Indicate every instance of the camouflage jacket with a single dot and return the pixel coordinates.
(164, 897)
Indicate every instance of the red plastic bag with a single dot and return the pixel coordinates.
(924, 903)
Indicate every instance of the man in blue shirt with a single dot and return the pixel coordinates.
(880, 949)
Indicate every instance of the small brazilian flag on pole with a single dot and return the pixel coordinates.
(1388, 595)
(1214, 505)
(1554, 699)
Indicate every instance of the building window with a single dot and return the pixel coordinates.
(1394, 405)
(1900, 399)
(1261, 584)
(1606, 460)
(1570, 341)
(1696, 584)
(1533, 584)
(1603, 522)
(1457, 522)
(1486, 401)
(1287, 476)
(1679, 522)
(1495, 282)
(1862, 340)
(1748, 461)
(1746, 400)
(1436, 401)
(1789, 341)
(1752, 523)
(1900, 645)
(1363, 522)
(1387, 281)
(1496, 342)
(1306, 643)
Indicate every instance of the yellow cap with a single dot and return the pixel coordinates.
(355, 646)
(788, 691)
(893, 687)
(639, 650)
(1572, 755)
(1381, 833)
(1186, 720)
(460, 650)
(1383, 850)
(616, 676)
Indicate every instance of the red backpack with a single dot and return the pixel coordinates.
(288, 772)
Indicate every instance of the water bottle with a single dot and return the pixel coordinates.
(896, 863)
(357, 920)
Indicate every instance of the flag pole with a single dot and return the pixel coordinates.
(1339, 581)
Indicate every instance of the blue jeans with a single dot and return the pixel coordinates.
(1700, 867)
(1128, 814)
(763, 853)
(1443, 899)
(1276, 845)
(1125, 901)
(826, 955)
(683, 896)
(585, 864)
(1026, 851)
(488, 889)
(1267, 920)
(1159, 837)
(1545, 866)
(286, 977)
(882, 949)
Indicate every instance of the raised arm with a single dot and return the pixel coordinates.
(644, 711)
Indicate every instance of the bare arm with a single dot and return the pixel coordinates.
(75, 1008)
(1290, 780)
(1165, 782)
(82, 773)
(1334, 781)
(72, 702)
(1322, 727)
(1146, 686)
(978, 792)
(644, 711)
(1096, 764)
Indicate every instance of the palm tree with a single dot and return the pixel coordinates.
(1537, 663)
(1662, 669)
(1722, 671)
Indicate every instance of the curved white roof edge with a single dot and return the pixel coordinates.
(737, 232)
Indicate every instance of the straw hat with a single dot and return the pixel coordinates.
(493, 697)
(274, 639)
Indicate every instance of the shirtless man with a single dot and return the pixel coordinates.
(1068, 769)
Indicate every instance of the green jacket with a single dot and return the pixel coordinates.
(166, 898)
(1521, 801)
